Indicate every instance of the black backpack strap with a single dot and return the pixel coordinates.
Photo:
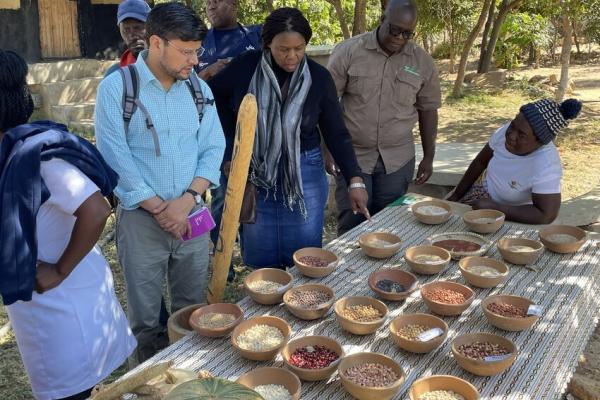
(131, 93)
(193, 84)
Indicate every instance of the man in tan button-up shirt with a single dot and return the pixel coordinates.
(386, 84)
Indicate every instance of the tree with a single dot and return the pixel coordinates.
(339, 10)
(521, 32)
(505, 7)
(565, 56)
(360, 17)
(457, 91)
(486, 33)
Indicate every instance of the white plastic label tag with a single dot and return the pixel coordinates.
(430, 334)
(496, 358)
(534, 309)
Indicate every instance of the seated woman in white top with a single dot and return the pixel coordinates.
(519, 171)
(56, 285)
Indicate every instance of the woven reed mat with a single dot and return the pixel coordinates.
(566, 287)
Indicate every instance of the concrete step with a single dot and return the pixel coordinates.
(73, 112)
(66, 70)
(76, 91)
(83, 128)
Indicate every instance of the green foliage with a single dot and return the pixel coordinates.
(591, 22)
(453, 18)
(519, 32)
(320, 13)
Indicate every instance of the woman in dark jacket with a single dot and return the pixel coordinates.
(297, 104)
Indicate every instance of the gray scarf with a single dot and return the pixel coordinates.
(276, 153)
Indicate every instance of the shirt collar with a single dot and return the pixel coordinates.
(145, 74)
(372, 43)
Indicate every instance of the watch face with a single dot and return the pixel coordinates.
(198, 199)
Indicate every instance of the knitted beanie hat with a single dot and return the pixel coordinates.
(547, 117)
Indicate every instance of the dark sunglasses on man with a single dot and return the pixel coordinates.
(397, 31)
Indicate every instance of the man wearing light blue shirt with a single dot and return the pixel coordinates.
(164, 167)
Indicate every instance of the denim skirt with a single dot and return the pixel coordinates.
(279, 231)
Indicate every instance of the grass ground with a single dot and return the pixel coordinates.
(472, 118)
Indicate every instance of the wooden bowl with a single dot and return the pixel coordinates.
(431, 219)
(272, 376)
(367, 392)
(357, 327)
(509, 323)
(480, 367)
(367, 244)
(312, 374)
(483, 281)
(178, 324)
(223, 308)
(417, 346)
(444, 308)
(263, 355)
(268, 274)
(309, 313)
(519, 257)
(443, 382)
(495, 217)
(315, 272)
(484, 244)
(547, 232)
(406, 279)
(424, 268)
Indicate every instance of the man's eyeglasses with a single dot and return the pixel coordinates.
(397, 31)
(187, 52)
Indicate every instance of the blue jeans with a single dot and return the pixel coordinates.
(279, 231)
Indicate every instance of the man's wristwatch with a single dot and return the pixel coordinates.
(197, 196)
(357, 185)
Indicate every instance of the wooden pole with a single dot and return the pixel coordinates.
(240, 163)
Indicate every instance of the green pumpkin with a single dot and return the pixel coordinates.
(212, 389)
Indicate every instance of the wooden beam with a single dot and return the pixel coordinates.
(238, 176)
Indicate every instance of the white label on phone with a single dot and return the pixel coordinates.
(430, 334)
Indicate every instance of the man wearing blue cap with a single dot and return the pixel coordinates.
(131, 19)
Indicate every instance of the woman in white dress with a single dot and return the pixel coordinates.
(56, 285)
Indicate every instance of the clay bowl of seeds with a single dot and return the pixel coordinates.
(393, 284)
(380, 244)
(261, 338)
(483, 272)
(178, 324)
(272, 381)
(562, 239)
(418, 333)
(447, 298)
(315, 262)
(520, 251)
(267, 285)
(216, 320)
(427, 260)
(484, 221)
(309, 302)
(443, 387)
(484, 354)
(312, 358)
(432, 212)
(508, 312)
(360, 315)
(371, 376)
